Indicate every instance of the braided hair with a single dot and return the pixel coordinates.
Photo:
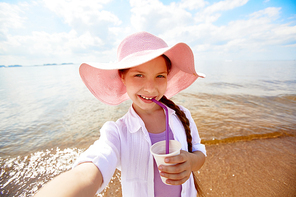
(181, 115)
(185, 122)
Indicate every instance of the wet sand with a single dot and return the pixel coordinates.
(265, 167)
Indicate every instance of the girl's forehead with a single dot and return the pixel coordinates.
(157, 64)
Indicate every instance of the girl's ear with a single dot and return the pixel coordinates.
(121, 74)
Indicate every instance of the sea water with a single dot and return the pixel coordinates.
(48, 116)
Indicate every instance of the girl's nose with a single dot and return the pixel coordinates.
(149, 86)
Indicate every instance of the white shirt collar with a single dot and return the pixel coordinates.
(134, 122)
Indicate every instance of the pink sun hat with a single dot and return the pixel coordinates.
(104, 82)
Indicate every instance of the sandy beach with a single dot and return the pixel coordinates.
(244, 168)
(250, 169)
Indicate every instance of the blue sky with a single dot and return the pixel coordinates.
(58, 31)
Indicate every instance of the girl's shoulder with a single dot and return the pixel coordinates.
(116, 125)
(184, 109)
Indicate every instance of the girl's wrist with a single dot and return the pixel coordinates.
(197, 160)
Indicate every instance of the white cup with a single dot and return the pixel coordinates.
(158, 150)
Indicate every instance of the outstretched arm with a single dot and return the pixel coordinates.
(83, 180)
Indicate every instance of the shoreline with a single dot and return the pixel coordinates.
(261, 167)
(264, 167)
(258, 167)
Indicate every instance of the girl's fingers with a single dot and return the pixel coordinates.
(177, 176)
(178, 168)
(176, 182)
(177, 158)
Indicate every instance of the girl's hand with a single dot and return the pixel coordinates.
(184, 164)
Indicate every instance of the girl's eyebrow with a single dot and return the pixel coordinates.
(139, 71)
(165, 72)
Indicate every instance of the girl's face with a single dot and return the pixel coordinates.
(144, 82)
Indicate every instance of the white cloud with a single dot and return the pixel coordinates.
(153, 16)
(57, 47)
(237, 39)
(88, 12)
(213, 12)
(91, 25)
(268, 12)
(176, 23)
(93, 30)
(87, 15)
(224, 5)
(192, 4)
(42, 47)
(10, 17)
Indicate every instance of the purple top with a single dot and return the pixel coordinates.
(161, 189)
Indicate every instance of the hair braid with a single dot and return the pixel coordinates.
(185, 122)
(181, 115)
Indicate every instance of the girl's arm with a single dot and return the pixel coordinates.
(185, 163)
(83, 180)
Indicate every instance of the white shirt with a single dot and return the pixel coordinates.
(125, 144)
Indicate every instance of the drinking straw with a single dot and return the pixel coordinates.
(167, 127)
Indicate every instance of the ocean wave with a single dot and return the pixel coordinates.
(24, 175)
(234, 139)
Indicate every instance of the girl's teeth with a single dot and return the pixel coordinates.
(146, 98)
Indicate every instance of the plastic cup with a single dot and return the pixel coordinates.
(158, 150)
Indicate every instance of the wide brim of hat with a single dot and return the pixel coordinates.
(105, 84)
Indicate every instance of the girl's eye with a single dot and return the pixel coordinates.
(138, 75)
(160, 76)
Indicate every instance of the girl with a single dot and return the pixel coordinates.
(147, 68)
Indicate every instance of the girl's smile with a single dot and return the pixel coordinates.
(146, 99)
(144, 82)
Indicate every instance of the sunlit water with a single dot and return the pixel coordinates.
(48, 117)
